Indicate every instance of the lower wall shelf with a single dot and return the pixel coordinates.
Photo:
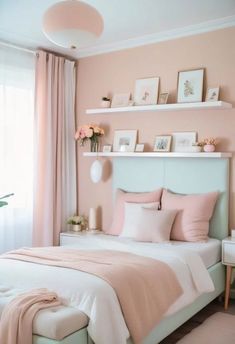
(160, 155)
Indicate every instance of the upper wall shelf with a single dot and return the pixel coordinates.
(160, 155)
(164, 107)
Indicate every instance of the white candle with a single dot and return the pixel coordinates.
(92, 218)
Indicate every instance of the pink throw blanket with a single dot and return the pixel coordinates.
(17, 317)
(145, 287)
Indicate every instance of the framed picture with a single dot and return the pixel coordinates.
(212, 94)
(107, 148)
(120, 99)
(162, 99)
(183, 141)
(139, 147)
(190, 86)
(146, 91)
(162, 143)
(124, 140)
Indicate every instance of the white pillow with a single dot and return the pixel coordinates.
(132, 216)
(146, 223)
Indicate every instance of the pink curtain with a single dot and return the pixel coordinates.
(55, 176)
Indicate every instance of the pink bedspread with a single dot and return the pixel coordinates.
(17, 317)
(145, 287)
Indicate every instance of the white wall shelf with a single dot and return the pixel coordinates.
(218, 105)
(160, 155)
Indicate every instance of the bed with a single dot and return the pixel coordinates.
(196, 175)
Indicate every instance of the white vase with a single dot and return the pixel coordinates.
(76, 228)
(105, 103)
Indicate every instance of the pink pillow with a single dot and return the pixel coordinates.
(119, 208)
(193, 216)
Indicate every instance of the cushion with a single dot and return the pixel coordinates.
(194, 212)
(133, 215)
(121, 198)
(150, 224)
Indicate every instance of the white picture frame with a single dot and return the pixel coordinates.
(120, 100)
(190, 86)
(163, 97)
(139, 147)
(162, 143)
(146, 91)
(107, 148)
(212, 94)
(183, 141)
(124, 140)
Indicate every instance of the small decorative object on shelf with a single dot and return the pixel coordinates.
(89, 132)
(105, 102)
(120, 99)
(92, 219)
(196, 147)
(209, 144)
(212, 94)
(162, 99)
(77, 222)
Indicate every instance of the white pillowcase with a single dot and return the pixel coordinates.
(132, 216)
(147, 223)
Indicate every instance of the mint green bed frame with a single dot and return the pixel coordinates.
(182, 175)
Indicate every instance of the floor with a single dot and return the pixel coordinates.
(213, 307)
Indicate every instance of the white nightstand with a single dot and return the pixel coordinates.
(228, 259)
(71, 238)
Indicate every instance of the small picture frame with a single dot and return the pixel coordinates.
(146, 91)
(183, 141)
(120, 100)
(162, 143)
(107, 148)
(124, 140)
(212, 94)
(162, 99)
(139, 147)
(190, 86)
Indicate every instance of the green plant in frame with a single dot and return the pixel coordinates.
(2, 203)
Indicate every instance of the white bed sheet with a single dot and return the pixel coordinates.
(94, 296)
(210, 251)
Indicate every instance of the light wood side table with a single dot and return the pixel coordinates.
(228, 259)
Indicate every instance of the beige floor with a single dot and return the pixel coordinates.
(215, 306)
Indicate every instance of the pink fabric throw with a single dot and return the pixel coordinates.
(17, 317)
(144, 286)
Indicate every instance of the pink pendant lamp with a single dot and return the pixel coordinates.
(72, 24)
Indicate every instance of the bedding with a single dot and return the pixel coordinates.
(94, 296)
(193, 216)
(131, 276)
(133, 197)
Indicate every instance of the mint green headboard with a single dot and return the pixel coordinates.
(181, 175)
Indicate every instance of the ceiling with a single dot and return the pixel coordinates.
(127, 23)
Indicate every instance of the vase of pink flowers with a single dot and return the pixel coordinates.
(209, 145)
(89, 132)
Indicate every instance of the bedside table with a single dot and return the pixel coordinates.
(228, 259)
(71, 238)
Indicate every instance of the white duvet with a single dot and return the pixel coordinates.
(94, 296)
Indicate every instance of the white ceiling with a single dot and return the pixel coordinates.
(127, 23)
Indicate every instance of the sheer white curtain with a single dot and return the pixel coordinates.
(17, 70)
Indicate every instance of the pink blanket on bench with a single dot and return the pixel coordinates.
(17, 317)
(145, 287)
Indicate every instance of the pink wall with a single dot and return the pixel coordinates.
(116, 73)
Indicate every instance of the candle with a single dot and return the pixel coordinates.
(92, 218)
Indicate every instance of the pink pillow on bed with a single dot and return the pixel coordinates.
(119, 208)
(193, 216)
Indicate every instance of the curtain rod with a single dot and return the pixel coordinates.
(9, 45)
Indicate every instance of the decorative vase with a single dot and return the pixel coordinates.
(94, 144)
(209, 148)
(76, 228)
(105, 103)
